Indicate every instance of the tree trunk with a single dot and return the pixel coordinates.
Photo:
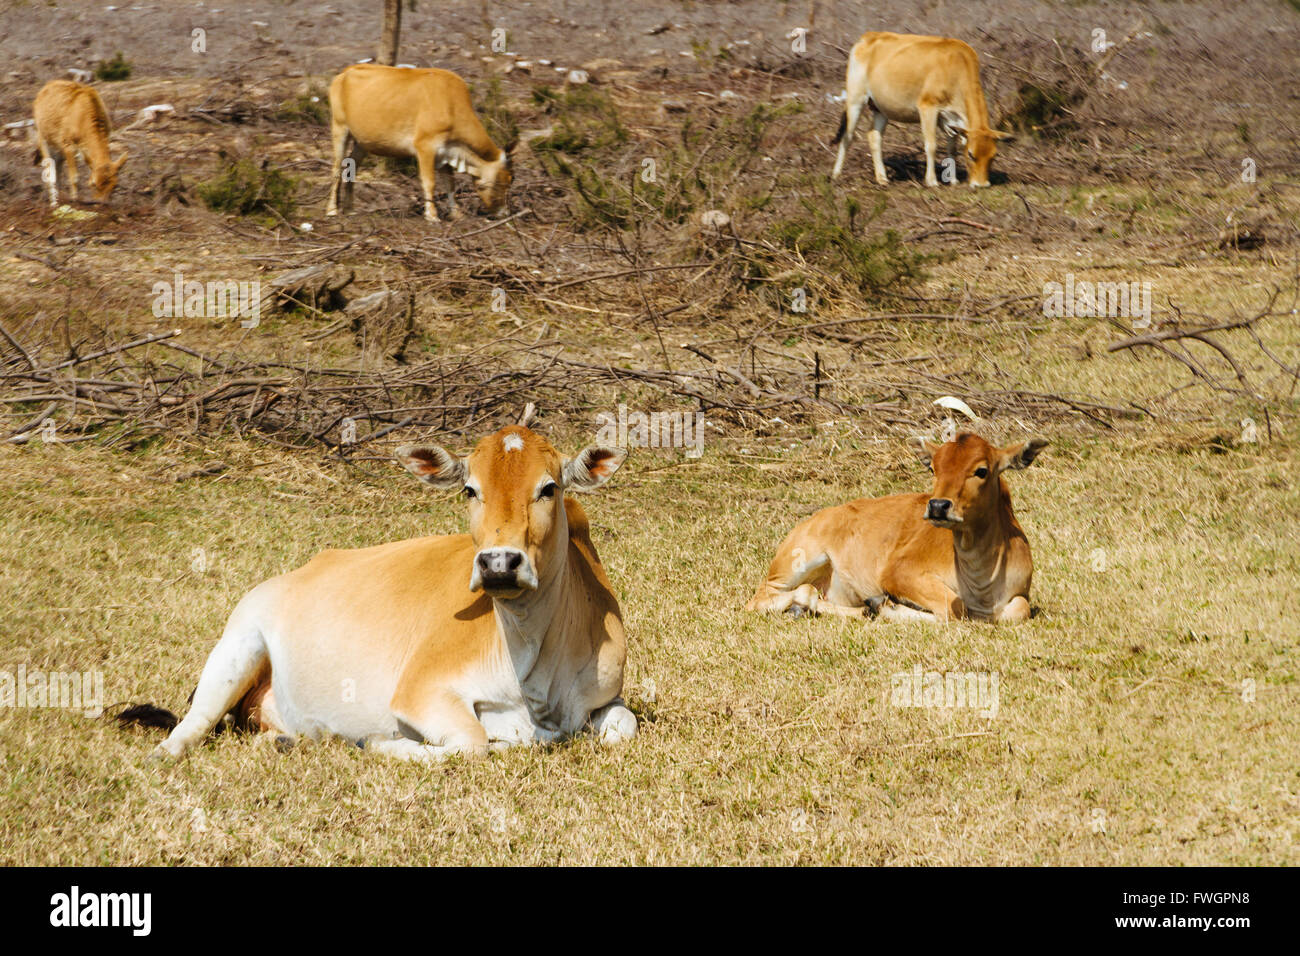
(392, 32)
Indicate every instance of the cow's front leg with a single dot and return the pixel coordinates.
(453, 211)
(929, 130)
(406, 749)
(70, 163)
(613, 723)
(1017, 609)
(426, 157)
(437, 720)
(931, 597)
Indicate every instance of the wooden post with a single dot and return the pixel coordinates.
(392, 31)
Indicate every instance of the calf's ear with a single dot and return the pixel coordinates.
(592, 467)
(433, 465)
(925, 450)
(1022, 455)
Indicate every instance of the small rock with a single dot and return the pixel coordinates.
(715, 218)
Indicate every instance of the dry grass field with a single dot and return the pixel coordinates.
(1149, 713)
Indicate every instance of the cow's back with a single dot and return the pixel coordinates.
(901, 69)
(389, 109)
(68, 113)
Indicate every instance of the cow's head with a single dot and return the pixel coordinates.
(104, 178)
(514, 484)
(967, 477)
(981, 147)
(493, 183)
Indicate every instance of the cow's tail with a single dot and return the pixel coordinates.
(148, 716)
(844, 126)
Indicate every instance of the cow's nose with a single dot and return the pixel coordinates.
(939, 509)
(499, 564)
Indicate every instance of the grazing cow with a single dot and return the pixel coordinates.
(439, 645)
(956, 552)
(395, 111)
(934, 81)
(71, 119)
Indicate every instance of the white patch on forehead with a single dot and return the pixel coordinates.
(513, 443)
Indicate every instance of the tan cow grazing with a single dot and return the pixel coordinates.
(439, 645)
(934, 81)
(71, 119)
(957, 552)
(394, 111)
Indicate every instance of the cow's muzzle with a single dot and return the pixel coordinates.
(502, 570)
(939, 511)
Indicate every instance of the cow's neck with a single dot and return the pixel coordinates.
(461, 158)
(526, 623)
(95, 147)
(980, 552)
(974, 105)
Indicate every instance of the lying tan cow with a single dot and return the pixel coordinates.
(439, 645)
(934, 81)
(71, 119)
(956, 552)
(393, 111)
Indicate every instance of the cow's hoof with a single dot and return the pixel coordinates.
(284, 743)
(617, 725)
(796, 611)
(873, 605)
(161, 755)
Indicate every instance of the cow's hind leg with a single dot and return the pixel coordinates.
(852, 113)
(795, 585)
(791, 579)
(355, 155)
(339, 137)
(231, 671)
(876, 139)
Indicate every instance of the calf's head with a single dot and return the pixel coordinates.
(104, 178)
(967, 477)
(514, 484)
(981, 147)
(493, 183)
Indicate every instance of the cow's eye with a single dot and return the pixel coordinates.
(470, 493)
(981, 472)
(547, 492)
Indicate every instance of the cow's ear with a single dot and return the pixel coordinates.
(1022, 455)
(592, 467)
(433, 465)
(1002, 137)
(925, 450)
(121, 160)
